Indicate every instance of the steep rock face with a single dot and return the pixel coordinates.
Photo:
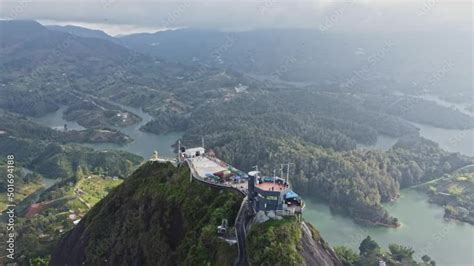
(156, 217)
(314, 250)
(288, 242)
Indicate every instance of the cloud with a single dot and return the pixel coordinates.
(120, 16)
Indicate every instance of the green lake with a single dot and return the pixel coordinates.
(423, 228)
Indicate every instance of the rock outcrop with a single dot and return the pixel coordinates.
(314, 250)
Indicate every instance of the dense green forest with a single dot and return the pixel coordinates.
(275, 243)
(420, 111)
(93, 113)
(318, 135)
(288, 241)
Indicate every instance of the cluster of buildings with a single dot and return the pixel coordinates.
(264, 193)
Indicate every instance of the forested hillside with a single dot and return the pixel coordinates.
(317, 133)
(41, 69)
(246, 121)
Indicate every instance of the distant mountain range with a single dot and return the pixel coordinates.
(82, 32)
(409, 61)
(406, 61)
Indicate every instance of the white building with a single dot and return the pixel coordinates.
(193, 152)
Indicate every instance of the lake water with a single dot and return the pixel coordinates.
(144, 143)
(461, 107)
(423, 228)
(452, 140)
(55, 120)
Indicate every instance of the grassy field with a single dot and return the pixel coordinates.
(89, 191)
(96, 188)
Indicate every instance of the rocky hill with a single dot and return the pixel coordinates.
(288, 242)
(158, 217)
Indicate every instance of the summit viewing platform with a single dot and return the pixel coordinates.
(212, 170)
(265, 193)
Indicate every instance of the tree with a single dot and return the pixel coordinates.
(426, 258)
(40, 261)
(80, 172)
(347, 256)
(401, 253)
(368, 246)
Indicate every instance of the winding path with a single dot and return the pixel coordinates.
(240, 225)
(241, 220)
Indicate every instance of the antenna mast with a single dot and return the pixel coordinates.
(281, 171)
(287, 172)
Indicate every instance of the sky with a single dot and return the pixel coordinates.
(127, 16)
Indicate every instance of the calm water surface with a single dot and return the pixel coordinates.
(55, 120)
(452, 140)
(423, 228)
(144, 143)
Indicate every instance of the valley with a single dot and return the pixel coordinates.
(337, 228)
(94, 112)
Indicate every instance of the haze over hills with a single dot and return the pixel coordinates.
(235, 89)
(410, 61)
(403, 61)
(82, 32)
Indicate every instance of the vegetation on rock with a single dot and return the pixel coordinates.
(275, 242)
(157, 216)
(370, 253)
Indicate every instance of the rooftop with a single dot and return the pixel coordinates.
(204, 165)
(192, 151)
(270, 186)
